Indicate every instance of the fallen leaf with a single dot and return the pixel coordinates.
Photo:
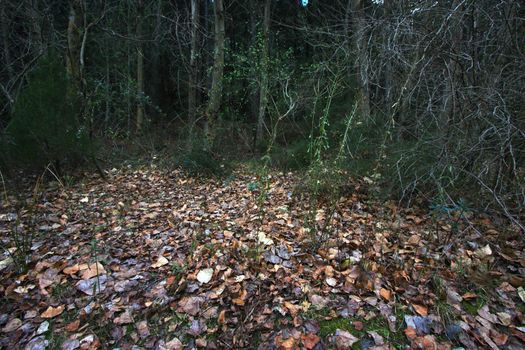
(222, 317)
(286, 344)
(71, 270)
(161, 261)
(310, 340)
(469, 295)
(483, 252)
(521, 293)
(12, 325)
(190, 305)
(261, 237)
(420, 309)
(93, 285)
(378, 339)
(332, 282)
(411, 333)
(241, 299)
(504, 318)
(205, 275)
(142, 328)
(124, 318)
(52, 311)
(71, 344)
(174, 344)
(44, 327)
(385, 293)
(72, 326)
(93, 270)
(344, 339)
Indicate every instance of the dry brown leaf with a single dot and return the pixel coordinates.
(174, 344)
(385, 293)
(52, 311)
(420, 309)
(411, 333)
(222, 317)
(93, 270)
(73, 326)
(241, 299)
(161, 261)
(469, 295)
(12, 325)
(71, 270)
(310, 340)
(124, 318)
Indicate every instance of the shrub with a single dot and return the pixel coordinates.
(200, 162)
(44, 127)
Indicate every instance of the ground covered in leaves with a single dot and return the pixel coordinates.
(152, 259)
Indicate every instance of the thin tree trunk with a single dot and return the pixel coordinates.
(214, 102)
(5, 41)
(362, 58)
(263, 93)
(36, 32)
(140, 70)
(155, 59)
(74, 41)
(254, 91)
(387, 5)
(194, 56)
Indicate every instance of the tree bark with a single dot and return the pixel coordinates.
(361, 48)
(5, 41)
(155, 81)
(263, 92)
(140, 70)
(74, 42)
(194, 57)
(215, 95)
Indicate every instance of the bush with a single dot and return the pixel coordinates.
(200, 162)
(293, 157)
(44, 127)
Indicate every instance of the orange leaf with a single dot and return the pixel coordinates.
(52, 311)
(240, 300)
(222, 317)
(310, 340)
(420, 309)
(93, 270)
(411, 333)
(469, 295)
(73, 326)
(385, 293)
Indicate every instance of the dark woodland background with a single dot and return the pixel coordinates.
(424, 98)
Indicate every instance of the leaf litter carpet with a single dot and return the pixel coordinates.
(153, 259)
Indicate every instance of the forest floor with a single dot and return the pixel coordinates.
(153, 259)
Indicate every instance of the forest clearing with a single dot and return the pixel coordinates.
(263, 174)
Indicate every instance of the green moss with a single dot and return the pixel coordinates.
(472, 306)
(330, 326)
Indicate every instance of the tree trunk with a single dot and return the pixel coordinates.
(5, 41)
(74, 42)
(155, 82)
(263, 92)
(140, 70)
(215, 95)
(194, 57)
(388, 84)
(361, 47)
(36, 27)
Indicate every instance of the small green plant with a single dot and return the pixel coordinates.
(453, 213)
(24, 225)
